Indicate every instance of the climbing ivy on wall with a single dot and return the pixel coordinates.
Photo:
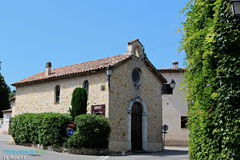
(211, 41)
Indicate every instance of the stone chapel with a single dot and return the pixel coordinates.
(125, 88)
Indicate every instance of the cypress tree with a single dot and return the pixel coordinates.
(4, 95)
(79, 102)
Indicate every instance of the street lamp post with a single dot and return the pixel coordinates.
(235, 5)
(109, 74)
(172, 84)
(164, 131)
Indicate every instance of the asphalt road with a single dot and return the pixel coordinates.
(168, 154)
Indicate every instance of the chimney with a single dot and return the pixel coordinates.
(48, 68)
(175, 65)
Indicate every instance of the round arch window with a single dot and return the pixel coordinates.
(136, 76)
(86, 87)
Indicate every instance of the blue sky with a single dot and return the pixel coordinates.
(65, 32)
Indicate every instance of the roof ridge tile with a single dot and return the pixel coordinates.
(74, 69)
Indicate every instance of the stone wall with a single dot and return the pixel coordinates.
(121, 92)
(40, 98)
(175, 106)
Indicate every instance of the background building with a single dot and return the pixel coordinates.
(174, 107)
(7, 114)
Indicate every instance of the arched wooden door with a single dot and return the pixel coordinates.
(136, 126)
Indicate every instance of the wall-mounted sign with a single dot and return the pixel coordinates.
(165, 128)
(71, 124)
(70, 132)
(98, 109)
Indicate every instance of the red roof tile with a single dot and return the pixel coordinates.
(12, 98)
(171, 70)
(155, 71)
(7, 111)
(73, 70)
(85, 68)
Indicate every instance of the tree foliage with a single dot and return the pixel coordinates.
(92, 131)
(79, 102)
(211, 41)
(44, 128)
(4, 95)
(12, 93)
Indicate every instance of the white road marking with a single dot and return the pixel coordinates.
(102, 158)
(106, 157)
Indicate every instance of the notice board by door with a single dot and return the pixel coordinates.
(98, 109)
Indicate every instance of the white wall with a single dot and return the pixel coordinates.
(175, 106)
(5, 126)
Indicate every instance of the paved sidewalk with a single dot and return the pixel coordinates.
(170, 153)
(4, 138)
(176, 148)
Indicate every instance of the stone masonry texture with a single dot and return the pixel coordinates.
(122, 91)
(39, 98)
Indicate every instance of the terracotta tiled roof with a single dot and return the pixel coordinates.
(155, 71)
(7, 111)
(171, 70)
(74, 70)
(12, 98)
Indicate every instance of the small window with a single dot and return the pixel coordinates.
(184, 121)
(136, 76)
(86, 86)
(166, 89)
(103, 87)
(57, 94)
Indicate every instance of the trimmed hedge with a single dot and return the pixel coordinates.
(22, 128)
(45, 128)
(52, 128)
(92, 131)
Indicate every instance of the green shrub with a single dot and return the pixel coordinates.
(79, 102)
(211, 41)
(45, 128)
(52, 128)
(92, 132)
(23, 128)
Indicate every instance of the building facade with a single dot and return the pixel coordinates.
(7, 114)
(175, 107)
(125, 88)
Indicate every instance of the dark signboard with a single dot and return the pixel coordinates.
(98, 109)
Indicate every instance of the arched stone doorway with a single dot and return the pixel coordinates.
(137, 112)
(136, 126)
